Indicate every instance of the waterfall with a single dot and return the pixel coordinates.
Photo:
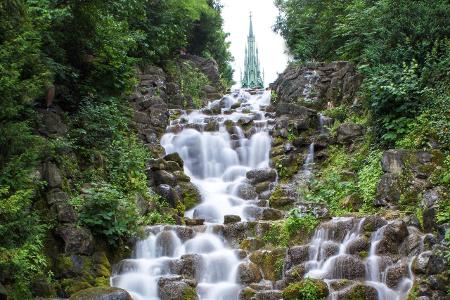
(331, 259)
(217, 163)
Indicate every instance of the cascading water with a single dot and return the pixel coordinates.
(217, 162)
(332, 258)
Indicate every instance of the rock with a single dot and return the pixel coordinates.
(252, 244)
(428, 263)
(429, 219)
(189, 266)
(268, 295)
(189, 193)
(348, 267)
(52, 175)
(296, 255)
(296, 273)
(348, 132)
(271, 214)
(338, 228)
(65, 212)
(247, 293)
(270, 262)
(262, 187)
(172, 289)
(431, 197)
(56, 195)
(166, 242)
(228, 219)
(194, 222)
(51, 123)
(358, 245)
(358, 291)
(372, 223)
(164, 177)
(246, 191)
(169, 194)
(248, 273)
(328, 249)
(77, 240)
(101, 293)
(393, 161)
(261, 175)
(395, 274)
(174, 157)
(393, 235)
(387, 190)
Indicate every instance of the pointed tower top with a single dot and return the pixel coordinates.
(250, 34)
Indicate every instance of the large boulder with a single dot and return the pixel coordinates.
(174, 288)
(393, 161)
(358, 291)
(101, 293)
(261, 175)
(77, 240)
(52, 175)
(347, 267)
(249, 273)
(246, 191)
(348, 132)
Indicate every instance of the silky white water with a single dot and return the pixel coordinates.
(217, 162)
(322, 265)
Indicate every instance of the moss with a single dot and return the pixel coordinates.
(95, 293)
(247, 293)
(267, 261)
(359, 292)
(72, 286)
(307, 289)
(190, 293)
(190, 194)
(363, 254)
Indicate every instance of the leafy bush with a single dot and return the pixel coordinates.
(191, 81)
(108, 212)
(307, 289)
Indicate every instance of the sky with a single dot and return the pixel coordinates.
(271, 45)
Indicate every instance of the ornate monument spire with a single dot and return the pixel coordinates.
(252, 74)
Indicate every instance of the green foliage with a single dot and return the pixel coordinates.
(347, 181)
(300, 222)
(368, 178)
(108, 212)
(307, 289)
(403, 52)
(282, 233)
(191, 81)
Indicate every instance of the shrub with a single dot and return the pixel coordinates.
(307, 289)
(108, 212)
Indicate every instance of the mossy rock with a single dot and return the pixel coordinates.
(268, 260)
(190, 293)
(190, 194)
(359, 291)
(101, 293)
(247, 293)
(306, 289)
(71, 286)
(278, 199)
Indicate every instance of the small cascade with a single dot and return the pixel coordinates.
(217, 162)
(336, 255)
(309, 162)
(311, 77)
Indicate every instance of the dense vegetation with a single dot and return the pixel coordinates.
(401, 47)
(88, 50)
